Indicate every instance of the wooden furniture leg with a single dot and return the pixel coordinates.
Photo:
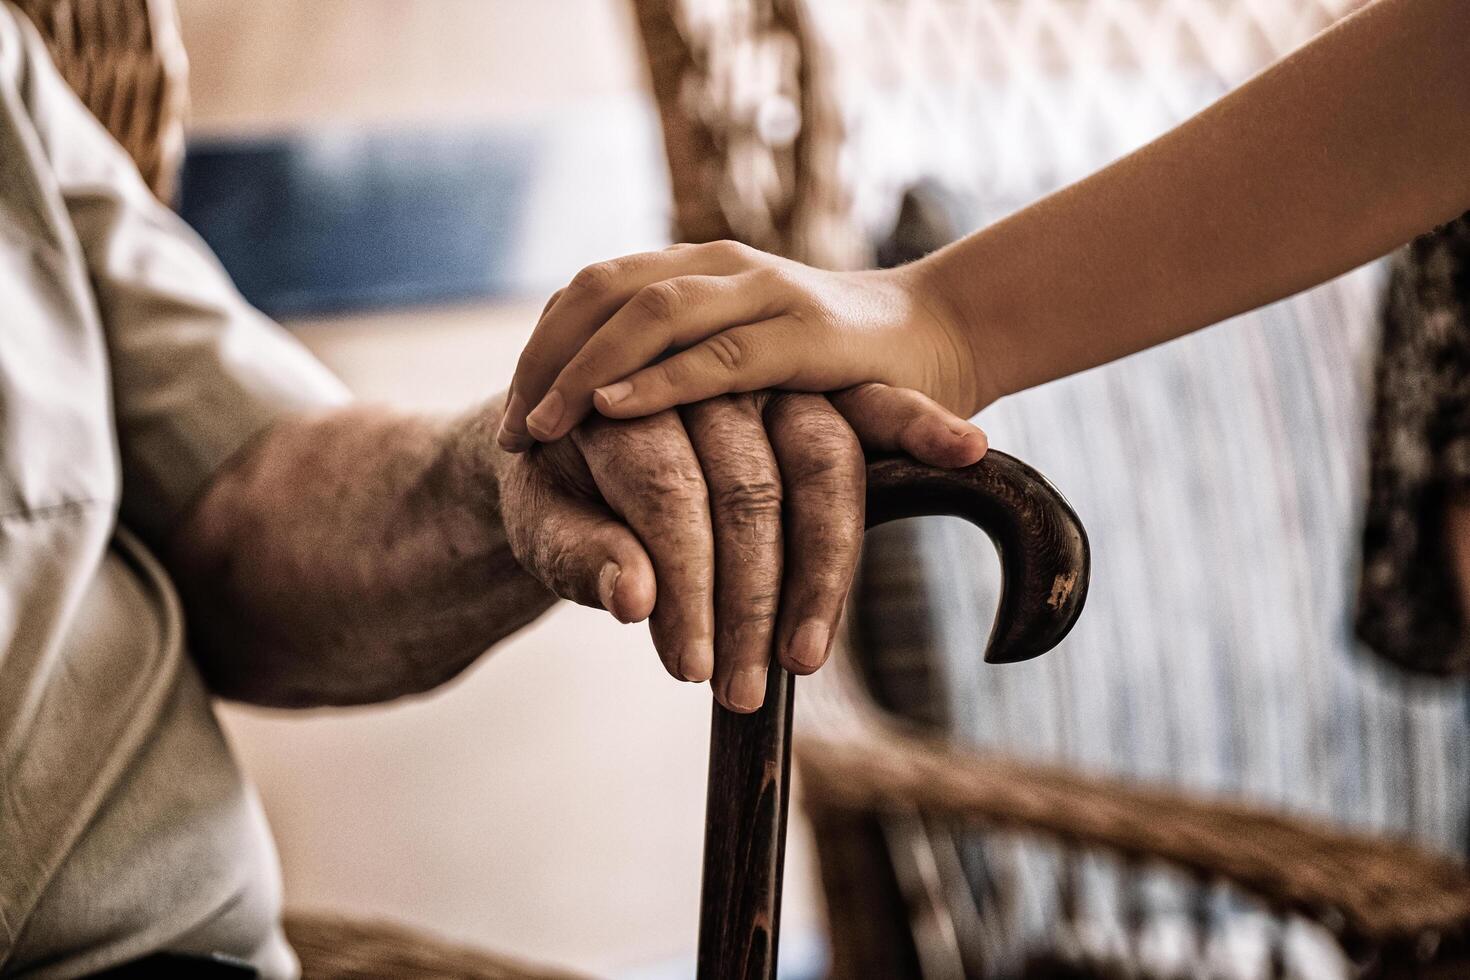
(1044, 561)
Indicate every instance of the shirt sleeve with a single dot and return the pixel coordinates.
(196, 371)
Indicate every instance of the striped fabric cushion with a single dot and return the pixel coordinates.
(1221, 479)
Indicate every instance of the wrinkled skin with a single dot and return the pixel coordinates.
(730, 523)
(364, 554)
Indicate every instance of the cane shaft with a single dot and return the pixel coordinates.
(1045, 562)
(745, 836)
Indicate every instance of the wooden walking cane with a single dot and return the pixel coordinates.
(1044, 565)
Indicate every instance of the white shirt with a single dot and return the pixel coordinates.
(130, 371)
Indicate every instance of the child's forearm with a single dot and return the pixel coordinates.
(1348, 148)
(1353, 145)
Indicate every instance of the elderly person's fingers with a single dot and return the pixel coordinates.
(897, 420)
(823, 469)
(745, 490)
(588, 302)
(648, 474)
(575, 546)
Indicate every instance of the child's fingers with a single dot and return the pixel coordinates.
(902, 420)
(666, 315)
(594, 295)
(746, 358)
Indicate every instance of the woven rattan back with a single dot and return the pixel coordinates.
(796, 125)
(126, 60)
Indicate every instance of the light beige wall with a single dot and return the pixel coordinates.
(567, 73)
(268, 64)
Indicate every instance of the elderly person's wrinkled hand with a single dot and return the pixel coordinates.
(732, 525)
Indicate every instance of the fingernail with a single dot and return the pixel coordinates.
(607, 586)
(808, 646)
(973, 437)
(697, 663)
(747, 688)
(547, 416)
(613, 394)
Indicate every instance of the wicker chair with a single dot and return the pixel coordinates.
(776, 134)
(755, 139)
(125, 58)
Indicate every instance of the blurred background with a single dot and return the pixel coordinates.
(404, 182)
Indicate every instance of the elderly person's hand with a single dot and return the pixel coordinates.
(730, 524)
(362, 554)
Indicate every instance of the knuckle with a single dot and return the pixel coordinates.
(577, 374)
(674, 373)
(870, 390)
(734, 421)
(873, 403)
(729, 249)
(830, 456)
(535, 370)
(594, 280)
(630, 441)
(860, 397)
(669, 483)
(729, 351)
(814, 314)
(749, 499)
(775, 279)
(659, 301)
(754, 617)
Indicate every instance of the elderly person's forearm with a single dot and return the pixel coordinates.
(352, 558)
(360, 555)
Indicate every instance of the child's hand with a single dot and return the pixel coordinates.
(731, 319)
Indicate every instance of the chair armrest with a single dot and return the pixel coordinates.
(333, 948)
(1367, 889)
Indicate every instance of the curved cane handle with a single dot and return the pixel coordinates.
(1044, 555)
(1044, 566)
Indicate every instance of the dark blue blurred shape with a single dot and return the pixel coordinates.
(320, 222)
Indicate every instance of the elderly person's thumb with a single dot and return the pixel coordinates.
(579, 549)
